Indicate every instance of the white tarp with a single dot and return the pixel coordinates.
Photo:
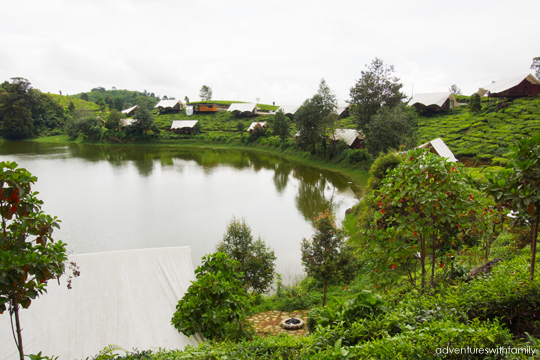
(347, 135)
(242, 107)
(179, 124)
(507, 83)
(127, 111)
(189, 110)
(428, 99)
(440, 148)
(290, 109)
(167, 103)
(253, 124)
(125, 298)
(126, 122)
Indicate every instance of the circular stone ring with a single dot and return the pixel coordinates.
(292, 324)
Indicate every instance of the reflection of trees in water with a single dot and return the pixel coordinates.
(281, 176)
(311, 200)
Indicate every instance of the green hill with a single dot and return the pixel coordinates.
(485, 137)
(79, 104)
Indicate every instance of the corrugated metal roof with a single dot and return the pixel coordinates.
(290, 109)
(179, 124)
(127, 111)
(347, 135)
(167, 103)
(440, 148)
(341, 108)
(428, 99)
(253, 124)
(242, 107)
(506, 83)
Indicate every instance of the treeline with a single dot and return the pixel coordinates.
(119, 99)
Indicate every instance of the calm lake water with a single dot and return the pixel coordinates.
(133, 197)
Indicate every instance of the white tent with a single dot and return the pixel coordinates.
(127, 111)
(507, 83)
(342, 109)
(289, 109)
(126, 122)
(167, 103)
(429, 99)
(242, 107)
(253, 124)
(125, 298)
(347, 135)
(438, 147)
(179, 124)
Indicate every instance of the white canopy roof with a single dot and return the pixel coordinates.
(179, 124)
(167, 103)
(242, 107)
(253, 124)
(347, 135)
(290, 109)
(428, 99)
(440, 148)
(341, 108)
(125, 298)
(506, 83)
(127, 111)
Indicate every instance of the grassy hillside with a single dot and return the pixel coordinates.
(484, 137)
(79, 104)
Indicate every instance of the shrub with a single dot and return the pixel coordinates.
(358, 156)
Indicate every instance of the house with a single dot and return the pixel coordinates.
(253, 124)
(206, 108)
(352, 137)
(512, 87)
(243, 109)
(130, 111)
(343, 110)
(289, 110)
(434, 101)
(438, 147)
(169, 105)
(184, 126)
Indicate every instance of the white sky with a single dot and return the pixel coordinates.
(275, 50)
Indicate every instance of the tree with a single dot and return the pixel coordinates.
(186, 99)
(475, 103)
(328, 116)
(455, 90)
(326, 257)
(425, 204)
(255, 260)
(536, 66)
(18, 101)
(205, 93)
(84, 96)
(119, 104)
(100, 101)
(71, 107)
(392, 127)
(144, 120)
(240, 126)
(518, 186)
(308, 121)
(215, 305)
(281, 126)
(29, 256)
(377, 87)
(113, 120)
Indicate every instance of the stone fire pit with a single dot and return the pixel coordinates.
(292, 324)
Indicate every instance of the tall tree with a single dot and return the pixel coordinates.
(281, 125)
(18, 100)
(255, 260)
(392, 127)
(205, 93)
(84, 96)
(144, 120)
(309, 120)
(536, 66)
(328, 116)
(30, 256)
(119, 104)
(377, 87)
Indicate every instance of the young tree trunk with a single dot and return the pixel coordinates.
(433, 261)
(533, 244)
(324, 294)
(423, 260)
(18, 327)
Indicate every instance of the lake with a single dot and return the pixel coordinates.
(134, 197)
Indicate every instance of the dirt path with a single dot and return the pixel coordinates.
(268, 323)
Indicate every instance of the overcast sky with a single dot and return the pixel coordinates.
(272, 50)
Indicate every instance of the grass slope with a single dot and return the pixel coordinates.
(484, 137)
(79, 104)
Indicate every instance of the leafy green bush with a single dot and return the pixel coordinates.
(358, 156)
(215, 305)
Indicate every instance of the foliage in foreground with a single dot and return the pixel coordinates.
(215, 305)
